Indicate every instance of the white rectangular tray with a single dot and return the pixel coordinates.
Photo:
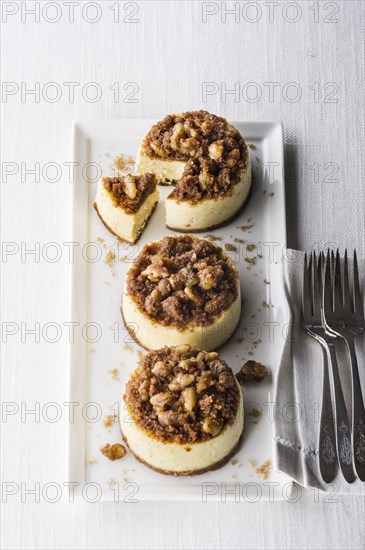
(96, 296)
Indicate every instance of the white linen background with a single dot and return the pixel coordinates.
(169, 53)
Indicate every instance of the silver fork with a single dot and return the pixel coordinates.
(343, 432)
(346, 320)
(311, 305)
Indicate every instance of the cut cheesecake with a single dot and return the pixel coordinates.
(181, 290)
(183, 411)
(126, 203)
(208, 160)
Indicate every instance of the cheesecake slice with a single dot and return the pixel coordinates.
(125, 204)
(182, 411)
(208, 161)
(181, 290)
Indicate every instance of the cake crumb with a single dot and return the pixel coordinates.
(213, 238)
(251, 145)
(265, 304)
(267, 282)
(108, 420)
(255, 414)
(252, 370)
(271, 194)
(109, 258)
(234, 462)
(128, 347)
(126, 480)
(264, 470)
(230, 247)
(91, 462)
(250, 247)
(110, 481)
(114, 374)
(239, 241)
(124, 163)
(246, 227)
(113, 452)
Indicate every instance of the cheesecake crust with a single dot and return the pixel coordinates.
(216, 155)
(182, 280)
(182, 395)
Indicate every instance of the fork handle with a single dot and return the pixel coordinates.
(358, 414)
(343, 432)
(327, 438)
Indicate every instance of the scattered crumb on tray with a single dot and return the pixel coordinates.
(230, 247)
(251, 145)
(113, 452)
(91, 462)
(252, 370)
(128, 347)
(234, 462)
(271, 194)
(239, 241)
(124, 163)
(109, 258)
(213, 238)
(114, 374)
(246, 227)
(264, 470)
(265, 304)
(254, 414)
(267, 282)
(108, 420)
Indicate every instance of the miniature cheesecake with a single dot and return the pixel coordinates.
(125, 204)
(208, 160)
(181, 290)
(182, 411)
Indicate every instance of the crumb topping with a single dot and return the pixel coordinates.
(113, 452)
(215, 152)
(129, 191)
(183, 279)
(181, 394)
(252, 370)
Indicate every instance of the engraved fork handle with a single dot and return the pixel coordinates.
(358, 414)
(343, 432)
(327, 438)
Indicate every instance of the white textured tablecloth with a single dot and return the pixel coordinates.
(298, 62)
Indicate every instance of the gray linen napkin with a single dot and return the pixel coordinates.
(299, 391)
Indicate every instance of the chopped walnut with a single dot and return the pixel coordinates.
(252, 370)
(113, 452)
(216, 150)
(190, 398)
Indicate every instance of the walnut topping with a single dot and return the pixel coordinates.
(113, 452)
(129, 191)
(252, 370)
(130, 186)
(183, 279)
(192, 394)
(215, 152)
(190, 398)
